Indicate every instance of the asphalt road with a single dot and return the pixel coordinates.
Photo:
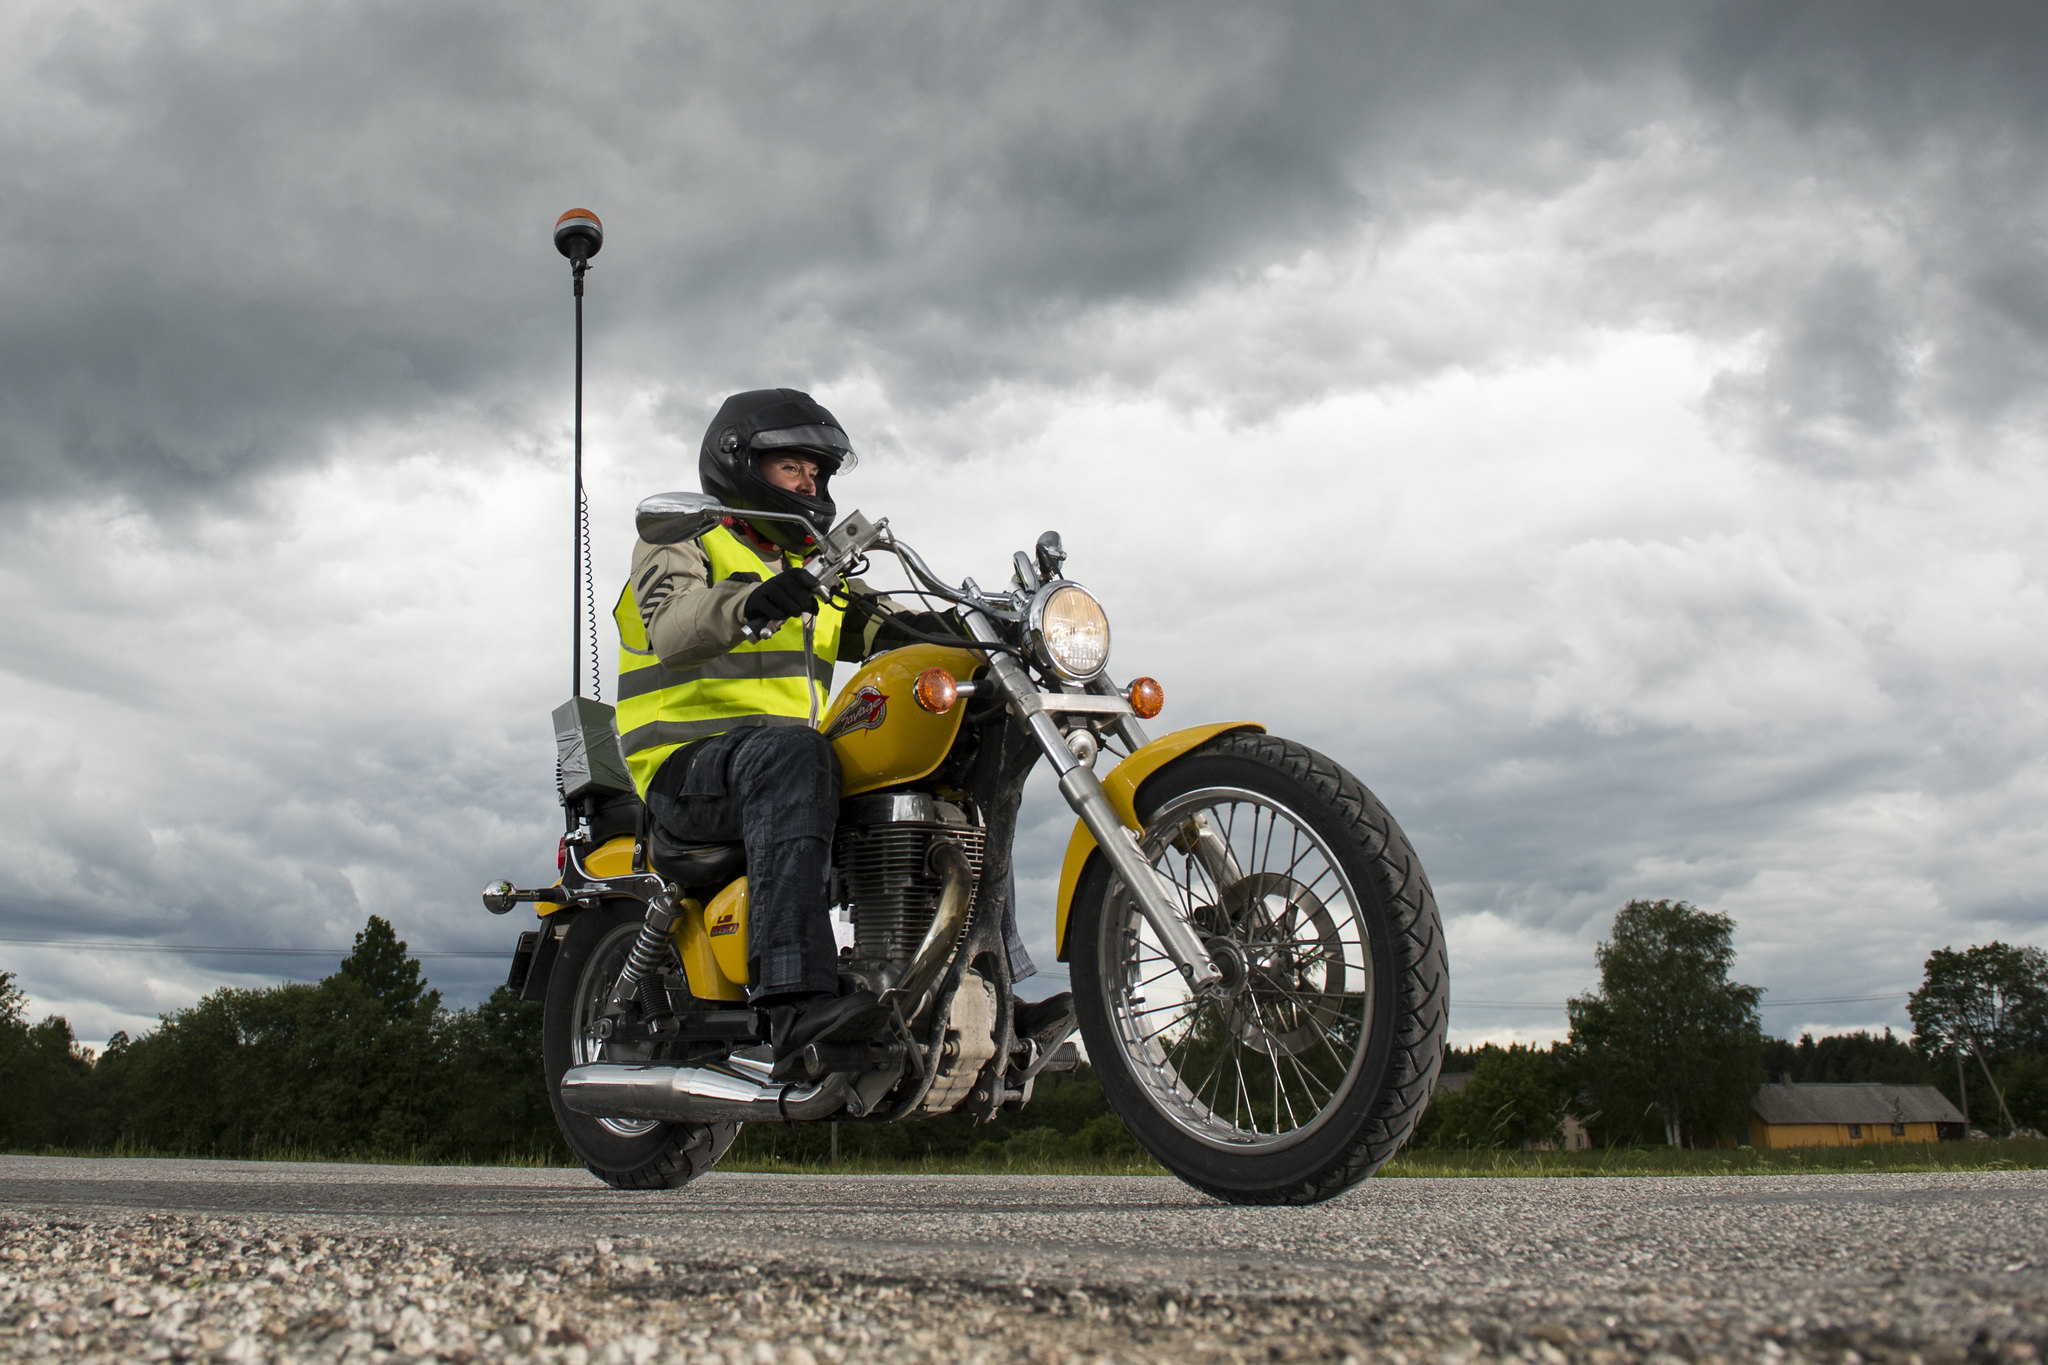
(296, 1261)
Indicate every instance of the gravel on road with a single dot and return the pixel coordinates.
(229, 1261)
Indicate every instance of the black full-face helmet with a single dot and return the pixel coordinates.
(773, 422)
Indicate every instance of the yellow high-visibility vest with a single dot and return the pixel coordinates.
(763, 683)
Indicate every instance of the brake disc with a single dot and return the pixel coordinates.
(1293, 992)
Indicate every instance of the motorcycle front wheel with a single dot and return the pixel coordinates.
(629, 1154)
(1312, 1062)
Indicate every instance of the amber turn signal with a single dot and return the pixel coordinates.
(936, 691)
(1146, 697)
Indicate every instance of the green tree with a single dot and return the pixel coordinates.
(387, 973)
(1988, 1002)
(2024, 1081)
(493, 1092)
(1667, 1034)
(1518, 1093)
(1991, 1000)
(376, 1054)
(45, 1077)
(1846, 1058)
(1514, 1096)
(354, 1065)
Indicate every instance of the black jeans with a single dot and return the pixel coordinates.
(775, 789)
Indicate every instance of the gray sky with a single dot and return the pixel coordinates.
(1613, 430)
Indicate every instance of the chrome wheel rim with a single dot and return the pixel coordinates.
(593, 1002)
(1267, 1059)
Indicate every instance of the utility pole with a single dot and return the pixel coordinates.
(2010, 1126)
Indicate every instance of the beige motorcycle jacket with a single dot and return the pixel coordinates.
(690, 619)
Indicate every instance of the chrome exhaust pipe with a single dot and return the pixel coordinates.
(696, 1094)
(949, 921)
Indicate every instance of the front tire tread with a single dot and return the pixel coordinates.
(1422, 966)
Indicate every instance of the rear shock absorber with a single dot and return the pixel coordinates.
(644, 962)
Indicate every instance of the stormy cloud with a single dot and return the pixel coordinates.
(1608, 427)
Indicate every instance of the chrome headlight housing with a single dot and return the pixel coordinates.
(1069, 631)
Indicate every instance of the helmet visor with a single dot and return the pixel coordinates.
(830, 441)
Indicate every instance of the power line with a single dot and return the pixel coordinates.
(233, 950)
(1838, 1000)
(1761, 1004)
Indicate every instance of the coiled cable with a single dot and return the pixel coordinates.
(589, 594)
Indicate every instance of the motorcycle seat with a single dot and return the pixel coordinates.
(689, 864)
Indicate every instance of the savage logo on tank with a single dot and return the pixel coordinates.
(868, 709)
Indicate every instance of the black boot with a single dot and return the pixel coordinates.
(794, 1026)
(1046, 1022)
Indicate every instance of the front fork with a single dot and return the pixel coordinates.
(1156, 897)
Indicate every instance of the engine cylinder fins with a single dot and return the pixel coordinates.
(948, 923)
(892, 891)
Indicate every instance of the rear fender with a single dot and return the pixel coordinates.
(549, 942)
(1121, 787)
(713, 975)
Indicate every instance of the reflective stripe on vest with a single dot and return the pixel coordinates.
(662, 709)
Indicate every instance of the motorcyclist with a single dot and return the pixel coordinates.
(727, 647)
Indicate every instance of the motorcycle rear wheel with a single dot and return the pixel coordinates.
(628, 1154)
(1314, 1064)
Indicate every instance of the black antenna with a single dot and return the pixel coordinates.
(579, 236)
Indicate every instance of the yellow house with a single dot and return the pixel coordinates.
(1814, 1115)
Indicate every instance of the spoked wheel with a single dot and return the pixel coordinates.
(1310, 1063)
(632, 1154)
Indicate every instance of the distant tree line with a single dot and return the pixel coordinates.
(368, 1063)
(363, 1062)
(1669, 1049)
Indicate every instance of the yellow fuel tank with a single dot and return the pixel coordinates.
(881, 734)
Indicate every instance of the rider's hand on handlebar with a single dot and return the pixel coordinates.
(790, 593)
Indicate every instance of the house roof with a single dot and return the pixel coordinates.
(1453, 1081)
(1862, 1103)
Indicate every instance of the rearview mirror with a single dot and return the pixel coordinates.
(667, 518)
(1051, 554)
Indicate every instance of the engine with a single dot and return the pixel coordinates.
(882, 877)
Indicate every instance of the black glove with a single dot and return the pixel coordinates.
(790, 593)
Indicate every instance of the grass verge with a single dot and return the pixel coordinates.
(1995, 1154)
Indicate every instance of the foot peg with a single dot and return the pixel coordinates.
(819, 1060)
(1065, 1057)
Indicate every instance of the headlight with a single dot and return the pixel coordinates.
(1070, 631)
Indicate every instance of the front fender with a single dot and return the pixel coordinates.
(1121, 787)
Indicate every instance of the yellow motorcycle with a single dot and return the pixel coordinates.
(1257, 961)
